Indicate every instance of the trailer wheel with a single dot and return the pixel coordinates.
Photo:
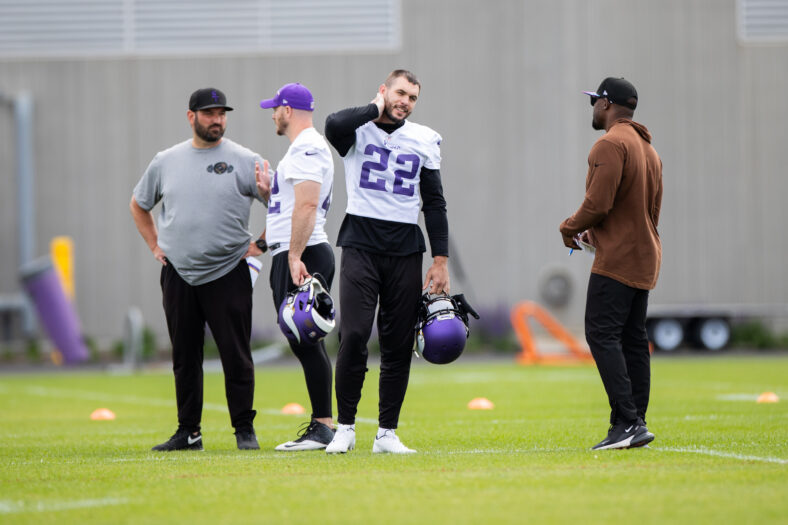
(712, 334)
(666, 334)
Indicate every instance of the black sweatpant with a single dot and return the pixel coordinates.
(395, 281)
(226, 305)
(314, 360)
(616, 333)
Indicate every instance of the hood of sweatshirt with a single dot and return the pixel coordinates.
(640, 128)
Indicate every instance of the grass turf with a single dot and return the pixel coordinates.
(718, 457)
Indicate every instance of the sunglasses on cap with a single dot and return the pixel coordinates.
(594, 98)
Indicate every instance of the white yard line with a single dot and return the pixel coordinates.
(702, 451)
(746, 397)
(685, 450)
(18, 507)
(7, 507)
(737, 397)
(720, 454)
(491, 451)
(701, 417)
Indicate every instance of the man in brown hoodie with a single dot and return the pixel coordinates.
(619, 218)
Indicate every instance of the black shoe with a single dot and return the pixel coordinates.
(181, 440)
(246, 439)
(642, 439)
(312, 436)
(625, 435)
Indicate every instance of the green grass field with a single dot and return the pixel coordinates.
(719, 456)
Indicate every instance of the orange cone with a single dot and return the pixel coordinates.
(480, 403)
(102, 414)
(293, 408)
(57, 357)
(768, 397)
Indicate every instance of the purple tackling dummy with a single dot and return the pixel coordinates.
(55, 311)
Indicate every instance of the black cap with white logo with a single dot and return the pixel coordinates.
(616, 90)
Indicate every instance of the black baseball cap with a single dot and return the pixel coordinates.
(208, 98)
(616, 90)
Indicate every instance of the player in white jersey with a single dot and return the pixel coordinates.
(392, 169)
(300, 195)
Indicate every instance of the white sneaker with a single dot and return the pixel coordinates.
(344, 440)
(389, 443)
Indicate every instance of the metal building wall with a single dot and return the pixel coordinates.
(501, 83)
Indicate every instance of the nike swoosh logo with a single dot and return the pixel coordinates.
(310, 153)
(293, 444)
(629, 428)
(192, 441)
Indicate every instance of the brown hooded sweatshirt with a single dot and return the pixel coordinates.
(621, 206)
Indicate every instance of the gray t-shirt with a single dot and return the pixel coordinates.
(205, 195)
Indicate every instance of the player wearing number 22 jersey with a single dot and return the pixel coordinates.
(391, 172)
(383, 170)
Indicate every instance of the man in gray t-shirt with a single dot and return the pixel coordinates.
(206, 186)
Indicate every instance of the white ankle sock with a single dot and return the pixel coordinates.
(341, 427)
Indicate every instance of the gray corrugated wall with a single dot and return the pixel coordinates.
(501, 83)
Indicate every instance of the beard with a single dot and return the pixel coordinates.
(392, 118)
(209, 134)
(596, 124)
(388, 111)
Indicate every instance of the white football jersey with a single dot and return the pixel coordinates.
(307, 158)
(382, 171)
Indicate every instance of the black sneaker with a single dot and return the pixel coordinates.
(181, 440)
(625, 435)
(642, 439)
(311, 436)
(246, 439)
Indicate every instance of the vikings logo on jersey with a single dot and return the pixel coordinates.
(388, 144)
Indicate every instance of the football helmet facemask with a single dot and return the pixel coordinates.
(442, 327)
(307, 314)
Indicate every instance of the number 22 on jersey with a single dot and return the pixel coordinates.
(370, 181)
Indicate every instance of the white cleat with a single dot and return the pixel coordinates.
(389, 443)
(344, 440)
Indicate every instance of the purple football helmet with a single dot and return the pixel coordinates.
(307, 313)
(442, 327)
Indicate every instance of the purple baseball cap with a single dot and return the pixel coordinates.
(294, 95)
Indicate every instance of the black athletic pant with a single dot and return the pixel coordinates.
(616, 333)
(365, 279)
(314, 360)
(226, 305)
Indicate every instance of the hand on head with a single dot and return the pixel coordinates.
(379, 101)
